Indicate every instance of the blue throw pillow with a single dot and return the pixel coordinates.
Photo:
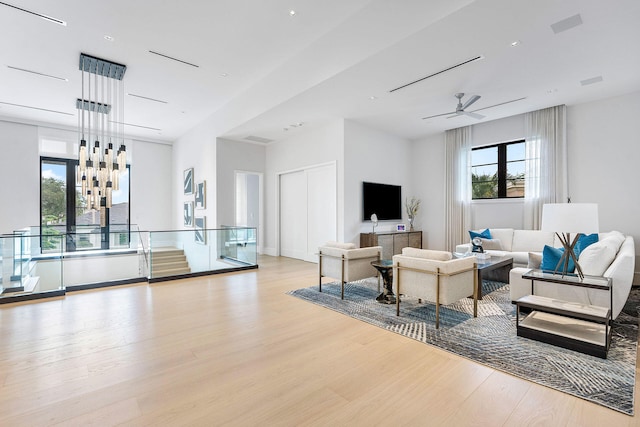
(486, 234)
(550, 258)
(583, 242)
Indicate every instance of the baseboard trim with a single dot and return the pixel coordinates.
(31, 297)
(75, 288)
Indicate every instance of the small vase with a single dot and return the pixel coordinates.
(410, 223)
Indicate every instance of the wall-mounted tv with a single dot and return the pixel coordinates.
(384, 200)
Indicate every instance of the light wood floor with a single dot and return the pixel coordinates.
(235, 350)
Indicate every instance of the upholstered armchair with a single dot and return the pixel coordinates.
(435, 277)
(346, 262)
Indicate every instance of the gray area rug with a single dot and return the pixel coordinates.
(491, 339)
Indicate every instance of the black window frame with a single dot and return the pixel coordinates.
(502, 163)
(70, 226)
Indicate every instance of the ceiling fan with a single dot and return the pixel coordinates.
(460, 109)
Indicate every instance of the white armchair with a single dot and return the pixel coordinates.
(346, 262)
(434, 276)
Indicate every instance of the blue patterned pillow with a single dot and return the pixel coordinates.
(486, 234)
(550, 258)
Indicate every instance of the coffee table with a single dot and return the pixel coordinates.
(499, 266)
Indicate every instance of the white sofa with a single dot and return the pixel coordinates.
(612, 256)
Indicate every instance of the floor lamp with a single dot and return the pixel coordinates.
(565, 219)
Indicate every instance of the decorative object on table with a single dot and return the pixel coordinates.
(412, 206)
(401, 227)
(200, 231)
(478, 250)
(188, 214)
(491, 339)
(201, 195)
(188, 181)
(564, 219)
(374, 222)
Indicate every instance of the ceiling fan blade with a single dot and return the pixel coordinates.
(438, 115)
(455, 114)
(502, 103)
(474, 115)
(470, 101)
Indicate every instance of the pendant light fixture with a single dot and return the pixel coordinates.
(101, 120)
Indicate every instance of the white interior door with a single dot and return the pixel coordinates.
(308, 211)
(321, 209)
(293, 215)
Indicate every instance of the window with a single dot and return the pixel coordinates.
(63, 209)
(497, 171)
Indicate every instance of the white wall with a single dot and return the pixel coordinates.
(20, 175)
(305, 147)
(234, 156)
(197, 150)
(374, 156)
(151, 185)
(604, 152)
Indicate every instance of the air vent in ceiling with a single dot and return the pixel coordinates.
(591, 81)
(174, 59)
(37, 108)
(37, 73)
(135, 126)
(258, 139)
(468, 61)
(39, 15)
(566, 24)
(147, 98)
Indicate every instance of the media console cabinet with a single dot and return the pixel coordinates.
(392, 242)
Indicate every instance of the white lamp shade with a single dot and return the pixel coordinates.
(570, 218)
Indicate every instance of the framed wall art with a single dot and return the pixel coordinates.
(188, 214)
(201, 195)
(188, 181)
(201, 230)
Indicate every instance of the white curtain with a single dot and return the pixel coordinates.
(546, 162)
(458, 186)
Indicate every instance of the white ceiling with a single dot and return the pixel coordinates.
(324, 62)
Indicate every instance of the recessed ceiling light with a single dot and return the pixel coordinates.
(292, 12)
(108, 38)
(223, 75)
(372, 97)
(515, 43)
(552, 90)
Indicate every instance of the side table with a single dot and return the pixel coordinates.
(385, 268)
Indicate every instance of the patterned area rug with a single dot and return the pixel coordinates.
(491, 339)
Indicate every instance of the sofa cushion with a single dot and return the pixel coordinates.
(491, 244)
(486, 234)
(596, 258)
(340, 245)
(505, 235)
(535, 260)
(427, 254)
(531, 240)
(550, 258)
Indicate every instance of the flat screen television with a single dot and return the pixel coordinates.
(384, 200)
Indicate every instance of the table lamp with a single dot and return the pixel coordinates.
(564, 219)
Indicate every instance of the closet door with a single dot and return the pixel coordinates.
(293, 215)
(321, 209)
(308, 211)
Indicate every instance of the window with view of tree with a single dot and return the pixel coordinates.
(63, 209)
(497, 171)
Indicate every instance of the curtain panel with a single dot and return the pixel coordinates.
(546, 162)
(457, 186)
